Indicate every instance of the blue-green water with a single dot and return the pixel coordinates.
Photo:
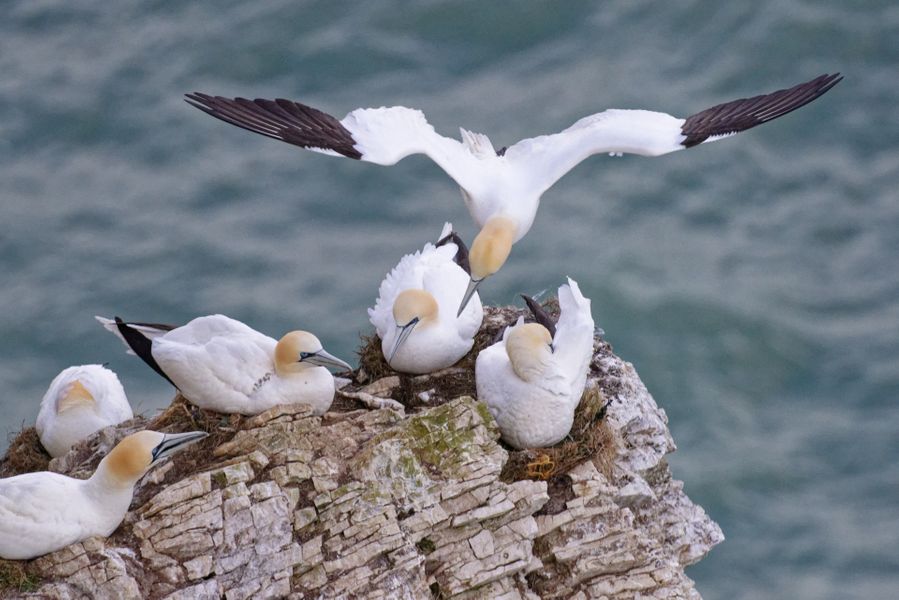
(753, 282)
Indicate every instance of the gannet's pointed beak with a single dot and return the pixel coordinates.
(173, 442)
(405, 330)
(324, 359)
(472, 288)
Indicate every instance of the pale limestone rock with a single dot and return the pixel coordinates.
(380, 504)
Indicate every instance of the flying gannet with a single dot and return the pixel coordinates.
(532, 379)
(415, 313)
(221, 364)
(80, 401)
(501, 188)
(43, 512)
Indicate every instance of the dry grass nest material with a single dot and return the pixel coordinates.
(25, 454)
(590, 438)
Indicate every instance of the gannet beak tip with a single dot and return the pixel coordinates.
(469, 292)
(322, 358)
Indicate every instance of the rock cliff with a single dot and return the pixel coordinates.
(402, 490)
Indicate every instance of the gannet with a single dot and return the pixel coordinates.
(221, 364)
(501, 188)
(415, 313)
(43, 512)
(80, 401)
(532, 379)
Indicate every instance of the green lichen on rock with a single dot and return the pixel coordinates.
(13, 576)
(439, 441)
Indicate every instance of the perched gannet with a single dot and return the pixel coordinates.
(501, 188)
(415, 314)
(532, 380)
(222, 365)
(80, 401)
(43, 512)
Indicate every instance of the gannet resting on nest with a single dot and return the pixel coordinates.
(415, 314)
(80, 401)
(221, 364)
(43, 512)
(501, 188)
(532, 380)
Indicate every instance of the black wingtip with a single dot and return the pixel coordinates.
(461, 257)
(745, 113)
(280, 119)
(141, 345)
(540, 315)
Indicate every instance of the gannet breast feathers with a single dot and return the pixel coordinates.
(415, 312)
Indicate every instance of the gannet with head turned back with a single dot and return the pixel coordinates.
(80, 401)
(415, 314)
(43, 512)
(502, 188)
(221, 364)
(532, 380)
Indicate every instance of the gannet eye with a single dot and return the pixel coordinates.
(305, 355)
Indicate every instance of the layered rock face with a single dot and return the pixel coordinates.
(378, 503)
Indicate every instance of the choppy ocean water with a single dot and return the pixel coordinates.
(752, 282)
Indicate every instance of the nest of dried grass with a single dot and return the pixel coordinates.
(182, 416)
(372, 364)
(590, 438)
(25, 454)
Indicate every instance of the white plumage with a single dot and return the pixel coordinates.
(505, 184)
(43, 512)
(221, 364)
(531, 382)
(431, 341)
(80, 400)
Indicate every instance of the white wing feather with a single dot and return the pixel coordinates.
(573, 342)
(215, 357)
(385, 136)
(545, 159)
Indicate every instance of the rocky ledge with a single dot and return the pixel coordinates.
(412, 496)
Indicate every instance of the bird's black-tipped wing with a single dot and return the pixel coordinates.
(281, 119)
(740, 115)
(540, 315)
(141, 345)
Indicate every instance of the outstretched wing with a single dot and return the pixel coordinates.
(382, 136)
(547, 158)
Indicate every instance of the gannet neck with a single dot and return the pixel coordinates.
(75, 396)
(529, 347)
(134, 455)
(491, 247)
